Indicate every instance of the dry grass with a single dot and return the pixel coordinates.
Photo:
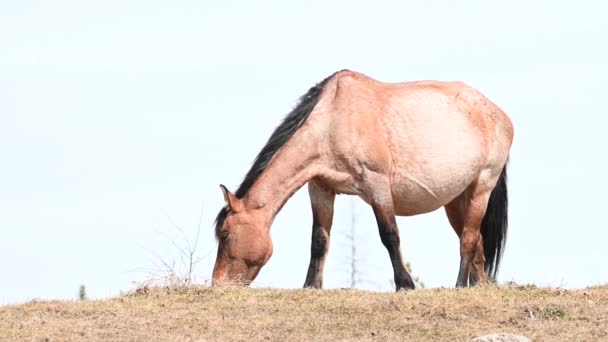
(198, 313)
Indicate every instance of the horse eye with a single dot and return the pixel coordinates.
(224, 235)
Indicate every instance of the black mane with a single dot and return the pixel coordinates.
(292, 122)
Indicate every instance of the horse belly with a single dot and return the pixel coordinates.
(431, 173)
(413, 195)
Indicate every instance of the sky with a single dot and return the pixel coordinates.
(119, 119)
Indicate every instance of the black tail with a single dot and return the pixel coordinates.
(494, 225)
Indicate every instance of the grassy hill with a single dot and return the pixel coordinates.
(200, 313)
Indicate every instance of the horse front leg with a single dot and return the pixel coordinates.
(322, 202)
(384, 210)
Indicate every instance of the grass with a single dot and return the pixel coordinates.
(201, 314)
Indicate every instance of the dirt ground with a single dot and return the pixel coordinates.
(237, 314)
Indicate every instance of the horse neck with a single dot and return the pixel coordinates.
(291, 167)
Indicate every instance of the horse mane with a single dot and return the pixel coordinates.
(292, 122)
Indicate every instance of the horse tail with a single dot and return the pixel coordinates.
(494, 225)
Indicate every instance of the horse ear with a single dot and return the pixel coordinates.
(231, 200)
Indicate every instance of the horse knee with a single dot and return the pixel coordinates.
(390, 238)
(318, 245)
(468, 244)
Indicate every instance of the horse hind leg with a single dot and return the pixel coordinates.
(455, 213)
(465, 214)
(478, 273)
(322, 202)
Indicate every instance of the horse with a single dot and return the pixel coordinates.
(405, 148)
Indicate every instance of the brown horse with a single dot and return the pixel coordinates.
(404, 148)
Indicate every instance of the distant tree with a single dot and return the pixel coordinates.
(82, 293)
(353, 245)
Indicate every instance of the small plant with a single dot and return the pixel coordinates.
(177, 271)
(550, 312)
(82, 293)
(419, 284)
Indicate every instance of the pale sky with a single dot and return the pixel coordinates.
(118, 118)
